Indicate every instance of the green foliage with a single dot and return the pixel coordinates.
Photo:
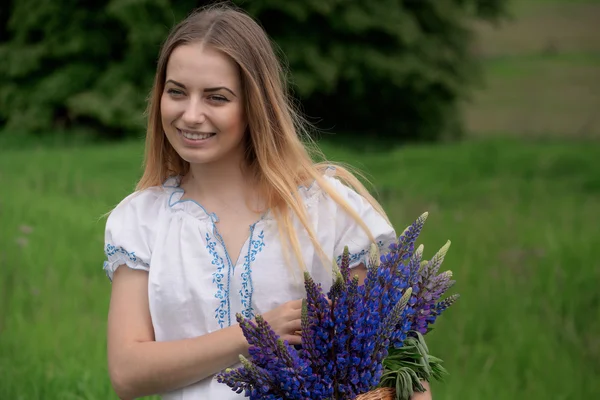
(55, 51)
(407, 366)
(399, 67)
(387, 68)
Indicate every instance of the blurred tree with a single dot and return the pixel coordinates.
(382, 68)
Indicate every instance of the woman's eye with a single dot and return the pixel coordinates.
(219, 99)
(174, 92)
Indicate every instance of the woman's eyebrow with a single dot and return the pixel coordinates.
(210, 90)
(181, 85)
(216, 89)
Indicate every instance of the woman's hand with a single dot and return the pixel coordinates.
(426, 395)
(285, 321)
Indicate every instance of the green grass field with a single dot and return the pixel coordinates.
(523, 219)
(541, 72)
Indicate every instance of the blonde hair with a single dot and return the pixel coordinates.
(274, 125)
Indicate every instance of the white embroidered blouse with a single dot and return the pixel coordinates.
(195, 287)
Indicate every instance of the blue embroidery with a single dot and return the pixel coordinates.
(254, 247)
(218, 276)
(112, 250)
(230, 267)
(223, 312)
(357, 256)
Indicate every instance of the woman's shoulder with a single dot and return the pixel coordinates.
(131, 230)
(314, 189)
(144, 203)
(340, 208)
(330, 186)
(331, 197)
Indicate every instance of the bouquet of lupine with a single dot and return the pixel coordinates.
(355, 338)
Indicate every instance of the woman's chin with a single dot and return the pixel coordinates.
(210, 154)
(197, 159)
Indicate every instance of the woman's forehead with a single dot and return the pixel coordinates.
(198, 65)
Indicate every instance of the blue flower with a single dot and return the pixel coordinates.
(346, 333)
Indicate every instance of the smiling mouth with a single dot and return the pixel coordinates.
(196, 135)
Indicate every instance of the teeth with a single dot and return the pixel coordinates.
(195, 136)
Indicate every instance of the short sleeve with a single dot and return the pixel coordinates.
(129, 233)
(349, 232)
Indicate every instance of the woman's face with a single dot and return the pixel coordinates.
(202, 107)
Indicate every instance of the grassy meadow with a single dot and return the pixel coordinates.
(522, 217)
(519, 199)
(541, 72)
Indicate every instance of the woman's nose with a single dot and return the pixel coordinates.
(194, 113)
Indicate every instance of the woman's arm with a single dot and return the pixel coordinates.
(139, 366)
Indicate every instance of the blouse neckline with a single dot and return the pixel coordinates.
(173, 186)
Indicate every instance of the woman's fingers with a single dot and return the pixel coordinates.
(293, 339)
(295, 325)
(296, 304)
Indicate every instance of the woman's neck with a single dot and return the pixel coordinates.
(223, 182)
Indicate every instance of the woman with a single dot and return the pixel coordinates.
(228, 213)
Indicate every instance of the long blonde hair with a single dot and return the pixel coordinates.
(275, 127)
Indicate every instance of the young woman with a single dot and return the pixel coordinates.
(228, 213)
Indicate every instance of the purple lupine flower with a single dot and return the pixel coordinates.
(388, 326)
(320, 329)
(346, 339)
(444, 305)
(308, 343)
(276, 369)
(295, 372)
(406, 241)
(431, 288)
(238, 379)
(262, 341)
(344, 266)
(261, 378)
(387, 284)
(341, 323)
(355, 311)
